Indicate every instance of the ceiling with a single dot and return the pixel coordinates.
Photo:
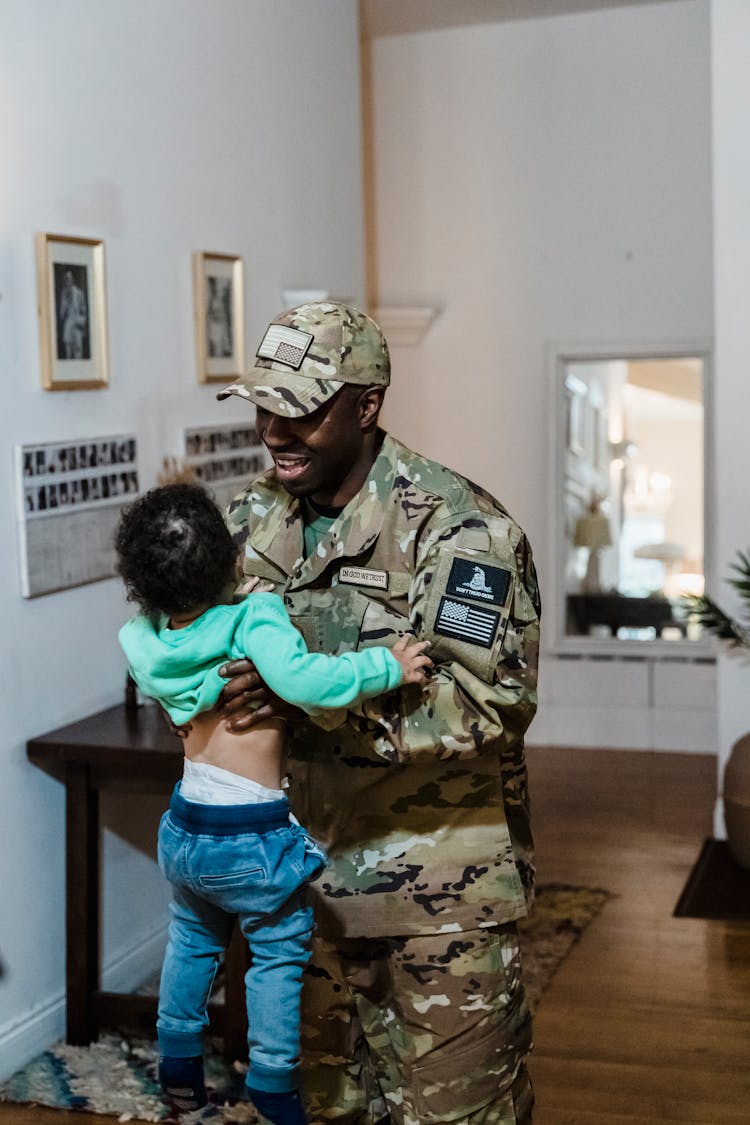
(397, 17)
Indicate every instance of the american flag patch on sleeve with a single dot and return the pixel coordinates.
(475, 625)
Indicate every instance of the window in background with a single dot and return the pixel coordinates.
(632, 496)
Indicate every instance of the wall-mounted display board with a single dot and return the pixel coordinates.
(224, 458)
(70, 494)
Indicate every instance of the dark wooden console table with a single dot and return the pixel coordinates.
(126, 751)
(616, 611)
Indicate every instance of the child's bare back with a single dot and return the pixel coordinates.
(256, 754)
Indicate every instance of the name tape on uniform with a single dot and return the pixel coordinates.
(285, 345)
(361, 576)
(475, 626)
(468, 579)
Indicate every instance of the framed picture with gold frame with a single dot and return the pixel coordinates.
(219, 311)
(72, 312)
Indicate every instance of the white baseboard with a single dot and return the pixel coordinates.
(23, 1038)
(129, 967)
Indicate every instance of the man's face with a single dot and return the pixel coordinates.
(323, 455)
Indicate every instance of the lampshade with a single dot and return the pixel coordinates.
(662, 552)
(592, 531)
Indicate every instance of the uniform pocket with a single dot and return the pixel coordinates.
(329, 620)
(478, 1069)
(381, 625)
(451, 1089)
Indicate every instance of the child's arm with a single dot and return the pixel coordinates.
(314, 680)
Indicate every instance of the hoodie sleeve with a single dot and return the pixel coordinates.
(310, 680)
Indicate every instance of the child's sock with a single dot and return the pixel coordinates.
(182, 1081)
(280, 1109)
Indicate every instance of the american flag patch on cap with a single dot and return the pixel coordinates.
(467, 622)
(285, 345)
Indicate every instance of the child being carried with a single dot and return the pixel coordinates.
(227, 844)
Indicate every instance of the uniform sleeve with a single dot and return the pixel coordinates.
(310, 680)
(484, 645)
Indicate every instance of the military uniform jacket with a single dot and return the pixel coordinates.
(419, 795)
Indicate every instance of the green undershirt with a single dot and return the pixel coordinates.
(318, 522)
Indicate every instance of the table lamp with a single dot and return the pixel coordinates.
(592, 531)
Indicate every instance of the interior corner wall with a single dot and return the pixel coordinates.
(162, 127)
(730, 36)
(545, 182)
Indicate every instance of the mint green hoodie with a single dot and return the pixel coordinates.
(180, 667)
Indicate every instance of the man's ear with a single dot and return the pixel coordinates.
(370, 402)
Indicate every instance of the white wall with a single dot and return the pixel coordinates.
(731, 185)
(542, 182)
(674, 447)
(163, 127)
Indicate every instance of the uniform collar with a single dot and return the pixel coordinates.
(279, 534)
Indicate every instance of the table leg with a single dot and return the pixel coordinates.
(82, 903)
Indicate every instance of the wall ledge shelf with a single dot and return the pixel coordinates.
(404, 326)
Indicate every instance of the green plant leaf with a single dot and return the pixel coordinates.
(712, 617)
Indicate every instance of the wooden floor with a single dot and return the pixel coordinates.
(648, 1020)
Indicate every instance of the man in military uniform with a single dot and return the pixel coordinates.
(414, 1003)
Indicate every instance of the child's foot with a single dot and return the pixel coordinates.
(280, 1109)
(182, 1081)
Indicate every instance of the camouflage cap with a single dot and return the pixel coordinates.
(308, 353)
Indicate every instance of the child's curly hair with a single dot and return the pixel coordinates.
(174, 551)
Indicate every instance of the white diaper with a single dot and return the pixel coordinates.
(211, 785)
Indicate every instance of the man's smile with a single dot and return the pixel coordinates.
(290, 466)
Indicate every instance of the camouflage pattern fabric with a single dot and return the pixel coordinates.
(419, 796)
(424, 1029)
(309, 353)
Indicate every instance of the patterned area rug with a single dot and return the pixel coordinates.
(117, 1075)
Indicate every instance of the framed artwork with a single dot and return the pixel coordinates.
(72, 312)
(219, 316)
